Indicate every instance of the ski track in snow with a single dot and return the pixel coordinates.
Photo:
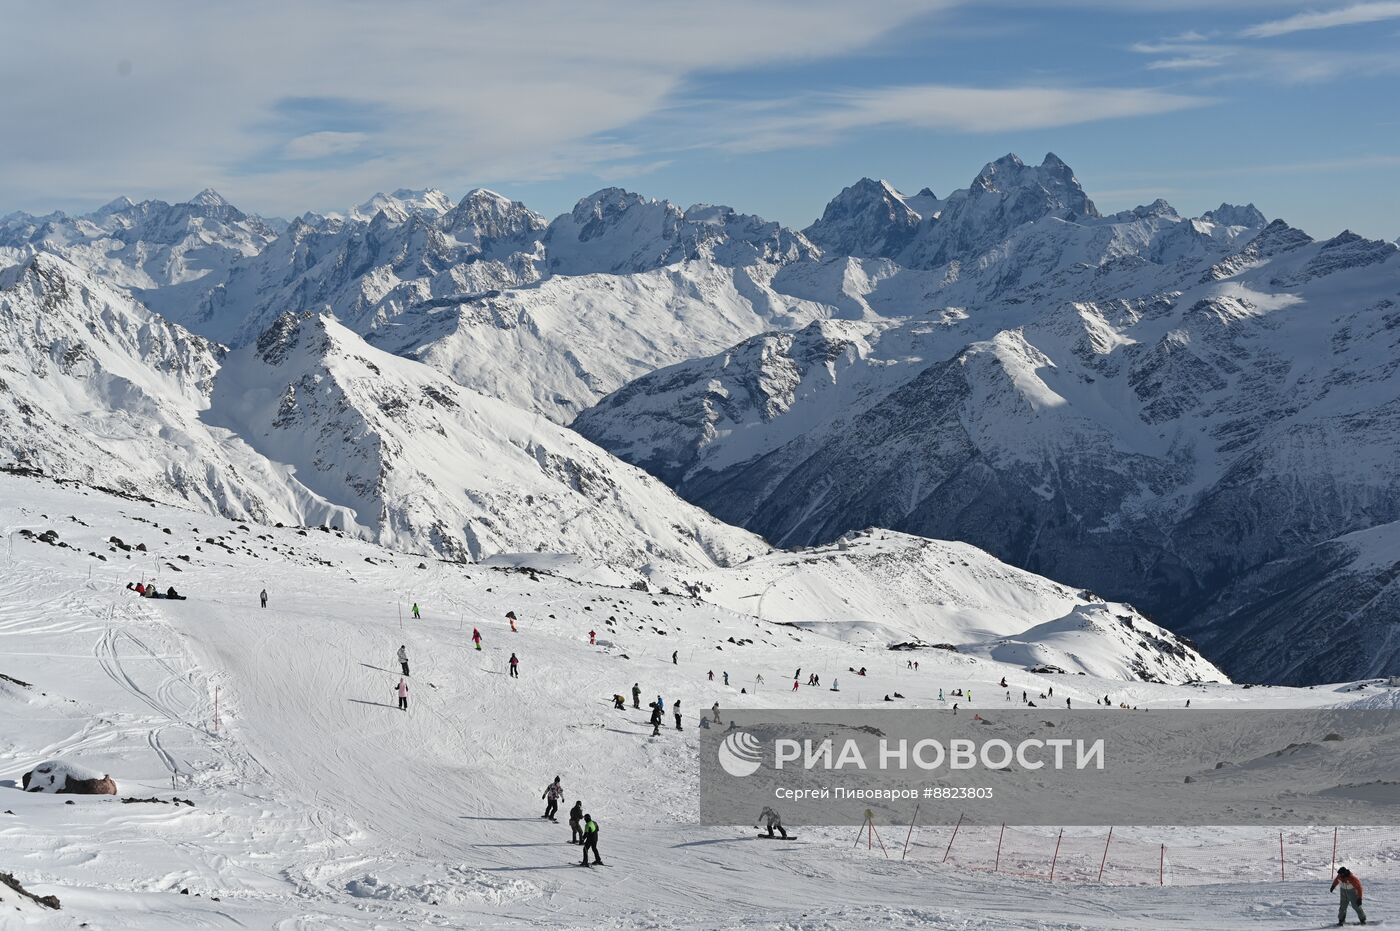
(319, 805)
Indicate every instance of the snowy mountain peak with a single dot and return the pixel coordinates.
(115, 205)
(403, 203)
(869, 219)
(209, 198)
(1050, 187)
(1232, 215)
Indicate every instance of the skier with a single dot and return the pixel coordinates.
(771, 820)
(712, 675)
(955, 707)
(417, 615)
(655, 720)
(1052, 691)
(592, 638)
(674, 661)
(476, 638)
(676, 710)
(661, 703)
(636, 695)
(1351, 895)
(262, 596)
(552, 794)
(590, 840)
(1105, 699)
(575, 816)
(1188, 703)
(1023, 694)
(798, 673)
(940, 694)
(403, 658)
(726, 678)
(1067, 704)
(403, 695)
(514, 666)
(794, 685)
(759, 680)
(510, 616)
(916, 665)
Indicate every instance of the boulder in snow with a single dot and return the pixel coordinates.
(57, 776)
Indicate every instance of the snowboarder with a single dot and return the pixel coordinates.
(417, 615)
(1188, 703)
(510, 616)
(403, 658)
(969, 694)
(661, 703)
(476, 638)
(1067, 704)
(402, 689)
(636, 695)
(712, 675)
(655, 720)
(590, 840)
(798, 673)
(619, 702)
(772, 821)
(835, 683)
(676, 710)
(576, 816)
(592, 638)
(715, 709)
(940, 694)
(955, 707)
(726, 678)
(704, 723)
(552, 794)
(514, 666)
(674, 660)
(1351, 895)
(262, 596)
(1003, 681)
(1023, 694)
(1052, 691)
(916, 665)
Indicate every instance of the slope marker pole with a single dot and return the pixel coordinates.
(1103, 862)
(953, 838)
(911, 833)
(1056, 857)
(997, 865)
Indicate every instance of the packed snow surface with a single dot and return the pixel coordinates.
(317, 803)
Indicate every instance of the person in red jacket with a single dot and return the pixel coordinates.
(476, 637)
(1351, 895)
(592, 638)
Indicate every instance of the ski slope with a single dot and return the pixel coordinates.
(317, 804)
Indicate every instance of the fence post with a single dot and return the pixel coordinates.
(1334, 850)
(953, 838)
(1056, 857)
(912, 821)
(1104, 861)
(1162, 867)
(997, 865)
(1280, 856)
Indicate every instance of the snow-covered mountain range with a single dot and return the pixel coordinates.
(1162, 408)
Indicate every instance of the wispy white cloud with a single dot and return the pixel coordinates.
(822, 118)
(324, 144)
(413, 93)
(1353, 15)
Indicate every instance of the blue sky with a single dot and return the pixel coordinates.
(769, 106)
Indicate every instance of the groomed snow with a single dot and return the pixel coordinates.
(317, 804)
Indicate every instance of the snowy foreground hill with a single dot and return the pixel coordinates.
(313, 802)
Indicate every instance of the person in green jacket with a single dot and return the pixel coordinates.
(416, 614)
(590, 841)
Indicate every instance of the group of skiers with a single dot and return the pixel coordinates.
(149, 590)
(582, 828)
